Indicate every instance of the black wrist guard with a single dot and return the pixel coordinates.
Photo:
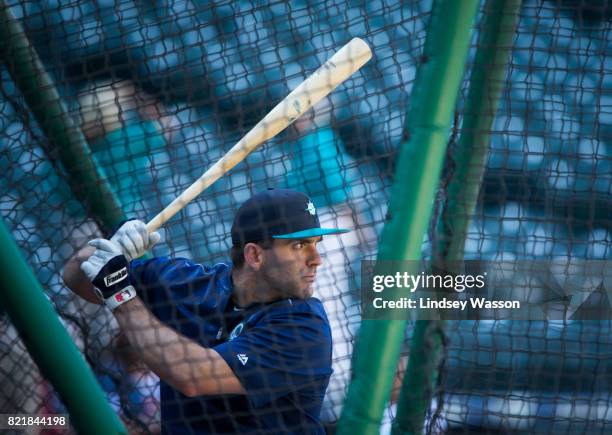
(112, 283)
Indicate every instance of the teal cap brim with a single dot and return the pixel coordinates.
(311, 232)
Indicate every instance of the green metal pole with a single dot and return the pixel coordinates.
(417, 177)
(486, 83)
(51, 346)
(86, 180)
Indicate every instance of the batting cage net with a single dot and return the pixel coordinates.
(162, 90)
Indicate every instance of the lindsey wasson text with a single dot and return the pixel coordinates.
(443, 304)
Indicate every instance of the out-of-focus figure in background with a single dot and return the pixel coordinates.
(126, 129)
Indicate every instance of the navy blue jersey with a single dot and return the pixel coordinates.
(280, 351)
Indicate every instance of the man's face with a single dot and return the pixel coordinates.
(290, 266)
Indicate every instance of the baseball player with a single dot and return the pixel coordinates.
(241, 347)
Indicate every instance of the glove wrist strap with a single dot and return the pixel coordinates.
(121, 297)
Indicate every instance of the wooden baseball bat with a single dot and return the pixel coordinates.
(336, 70)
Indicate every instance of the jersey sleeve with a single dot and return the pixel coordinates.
(162, 280)
(281, 354)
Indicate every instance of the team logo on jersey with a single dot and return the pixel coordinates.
(236, 331)
(310, 208)
(242, 358)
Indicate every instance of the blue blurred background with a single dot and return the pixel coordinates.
(163, 88)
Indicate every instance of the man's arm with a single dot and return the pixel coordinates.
(190, 368)
(133, 239)
(76, 280)
(184, 364)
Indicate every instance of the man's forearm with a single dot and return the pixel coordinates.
(76, 280)
(179, 361)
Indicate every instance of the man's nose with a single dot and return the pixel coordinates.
(314, 257)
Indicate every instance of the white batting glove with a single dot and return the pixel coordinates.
(108, 270)
(134, 239)
(105, 251)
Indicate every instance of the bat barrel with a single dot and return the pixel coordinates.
(318, 85)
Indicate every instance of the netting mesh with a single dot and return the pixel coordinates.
(545, 197)
(161, 90)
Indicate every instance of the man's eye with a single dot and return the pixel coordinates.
(299, 245)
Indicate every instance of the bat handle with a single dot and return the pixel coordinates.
(164, 216)
(209, 177)
(155, 223)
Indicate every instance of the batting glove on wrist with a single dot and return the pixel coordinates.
(107, 269)
(134, 239)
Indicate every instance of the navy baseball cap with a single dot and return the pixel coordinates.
(277, 214)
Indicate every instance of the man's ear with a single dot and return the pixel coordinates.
(253, 255)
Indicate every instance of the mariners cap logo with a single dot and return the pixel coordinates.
(310, 208)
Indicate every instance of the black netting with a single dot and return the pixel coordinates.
(545, 197)
(162, 90)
